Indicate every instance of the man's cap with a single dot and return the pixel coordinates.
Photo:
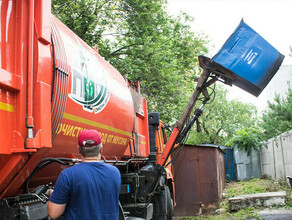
(89, 138)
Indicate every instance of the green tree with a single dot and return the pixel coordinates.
(89, 19)
(222, 118)
(278, 117)
(247, 139)
(144, 43)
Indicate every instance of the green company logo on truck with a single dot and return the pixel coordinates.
(89, 82)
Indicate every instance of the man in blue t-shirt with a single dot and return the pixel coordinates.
(89, 190)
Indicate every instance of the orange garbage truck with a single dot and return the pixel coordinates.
(53, 86)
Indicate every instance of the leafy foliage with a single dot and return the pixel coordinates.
(144, 43)
(247, 139)
(222, 118)
(278, 118)
(86, 18)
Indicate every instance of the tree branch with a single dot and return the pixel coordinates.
(116, 51)
(218, 131)
(113, 34)
(55, 10)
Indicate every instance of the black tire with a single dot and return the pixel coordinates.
(163, 205)
(169, 203)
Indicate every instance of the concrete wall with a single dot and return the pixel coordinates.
(247, 166)
(276, 156)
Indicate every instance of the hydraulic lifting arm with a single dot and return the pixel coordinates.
(175, 135)
(181, 128)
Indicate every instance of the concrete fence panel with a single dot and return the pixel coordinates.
(276, 156)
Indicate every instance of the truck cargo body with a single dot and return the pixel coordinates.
(53, 86)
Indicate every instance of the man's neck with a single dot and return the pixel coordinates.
(91, 159)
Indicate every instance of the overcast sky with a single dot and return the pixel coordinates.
(271, 19)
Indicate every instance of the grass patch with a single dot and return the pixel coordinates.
(242, 214)
(242, 188)
(255, 186)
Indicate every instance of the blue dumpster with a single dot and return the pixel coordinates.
(249, 58)
(229, 163)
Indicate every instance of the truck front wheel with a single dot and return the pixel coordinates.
(169, 202)
(163, 205)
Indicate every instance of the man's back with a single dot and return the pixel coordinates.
(91, 191)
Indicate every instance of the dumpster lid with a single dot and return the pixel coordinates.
(205, 145)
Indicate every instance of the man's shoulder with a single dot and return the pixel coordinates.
(111, 170)
(99, 165)
(71, 169)
(112, 167)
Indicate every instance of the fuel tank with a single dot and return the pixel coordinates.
(88, 93)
